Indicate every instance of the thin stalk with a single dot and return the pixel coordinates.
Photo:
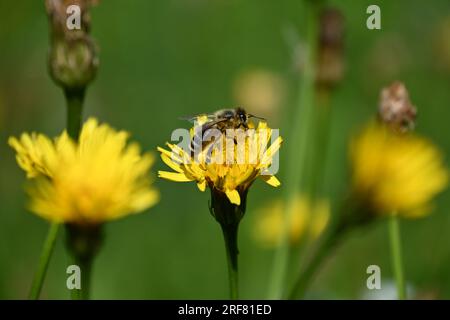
(297, 154)
(349, 217)
(318, 151)
(86, 267)
(230, 233)
(83, 242)
(396, 256)
(44, 260)
(328, 243)
(74, 100)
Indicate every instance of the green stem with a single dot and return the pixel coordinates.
(230, 233)
(329, 241)
(44, 260)
(86, 268)
(396, 256)
(229, 215)
(74, 100)
(83, 243)
(318, 150)
(349, 216)
(297, 153)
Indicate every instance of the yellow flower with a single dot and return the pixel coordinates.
(308, 219)
(100, 178)
(33, 152)
(396, 173)
(232, 178)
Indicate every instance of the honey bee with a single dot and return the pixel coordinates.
(235, 118)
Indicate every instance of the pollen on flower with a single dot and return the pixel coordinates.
(96, 179)
(397, 173)
(214, 168)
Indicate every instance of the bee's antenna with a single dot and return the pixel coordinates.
(253, 116)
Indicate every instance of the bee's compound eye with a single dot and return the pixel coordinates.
(228, 114)
(243, 117)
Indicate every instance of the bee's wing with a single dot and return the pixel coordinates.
(203, 129)
(202, 137)
(208, 125)
(194, 118)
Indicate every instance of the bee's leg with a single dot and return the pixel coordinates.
(243, 125)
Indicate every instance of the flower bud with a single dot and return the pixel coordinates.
(396, 109)
(330, 48)
(73, 59)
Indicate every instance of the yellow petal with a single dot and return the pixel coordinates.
(171, 164)
(267, 158)
(262, 125)
(233, 196)
(201, 185)
(179, 177)
(15, 144)
(272, 180)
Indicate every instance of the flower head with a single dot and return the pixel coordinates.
(229, 171)
(397, 173)
(308, 219)
(96, 179)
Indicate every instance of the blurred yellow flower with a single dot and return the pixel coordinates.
(230, 178)
(261, 92)
(100, 178)
(34, 151)
(396, 173)
(309, 219)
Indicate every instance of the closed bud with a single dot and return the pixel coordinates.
(330, 48)
(395, 108)
(73, 57)
(73, 65)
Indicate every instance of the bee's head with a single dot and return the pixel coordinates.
(241, 115)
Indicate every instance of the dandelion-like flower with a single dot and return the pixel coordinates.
(86, 182)
(231, 178)
(396, 173)
(308, 220)
(228, 166)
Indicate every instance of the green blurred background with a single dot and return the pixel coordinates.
(169, 58)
